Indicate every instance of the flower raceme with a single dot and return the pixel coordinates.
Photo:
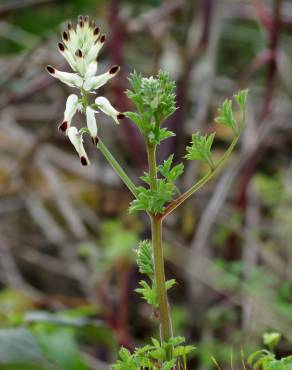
(80, 48)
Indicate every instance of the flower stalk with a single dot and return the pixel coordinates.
(117, 167)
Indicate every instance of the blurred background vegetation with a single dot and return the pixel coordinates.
(66, 240)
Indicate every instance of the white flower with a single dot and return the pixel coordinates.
(70, 39)
(93, 83)
(76, 139)
(70, 79)
(67, 55)
(94, 50)
(80, 62)
(91, 123)
(91, 69)
(71, 108)
(105, 106)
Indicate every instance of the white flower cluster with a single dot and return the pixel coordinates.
(80, 47)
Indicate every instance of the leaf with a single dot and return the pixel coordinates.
(18, 346)
(241, 98)
(153, 357)
(158, 354)
(225, 113)
(146, 178)
(275, 365)
(155, 342)
(148, 293)
(163, 134)
(174, 341)
(252, 358)
(124, 354)
(152, 200)
(175, 172)
(168, 365)
(136, 118)
(127, 361)
(165, 167)
(200, 148)
(171, 174)
(144, 258)
(170, 283)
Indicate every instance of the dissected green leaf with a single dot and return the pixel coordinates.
(241, 98)
(226, 115)
(154, 201)
(144, 258)
(154, 356)
(149, 293)
(151, 200)
(200, 148)
(170, 174)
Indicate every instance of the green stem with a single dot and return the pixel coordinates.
(177, 202)
(164, 310)
(156, 230)
(151, 152)
(117, 168)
